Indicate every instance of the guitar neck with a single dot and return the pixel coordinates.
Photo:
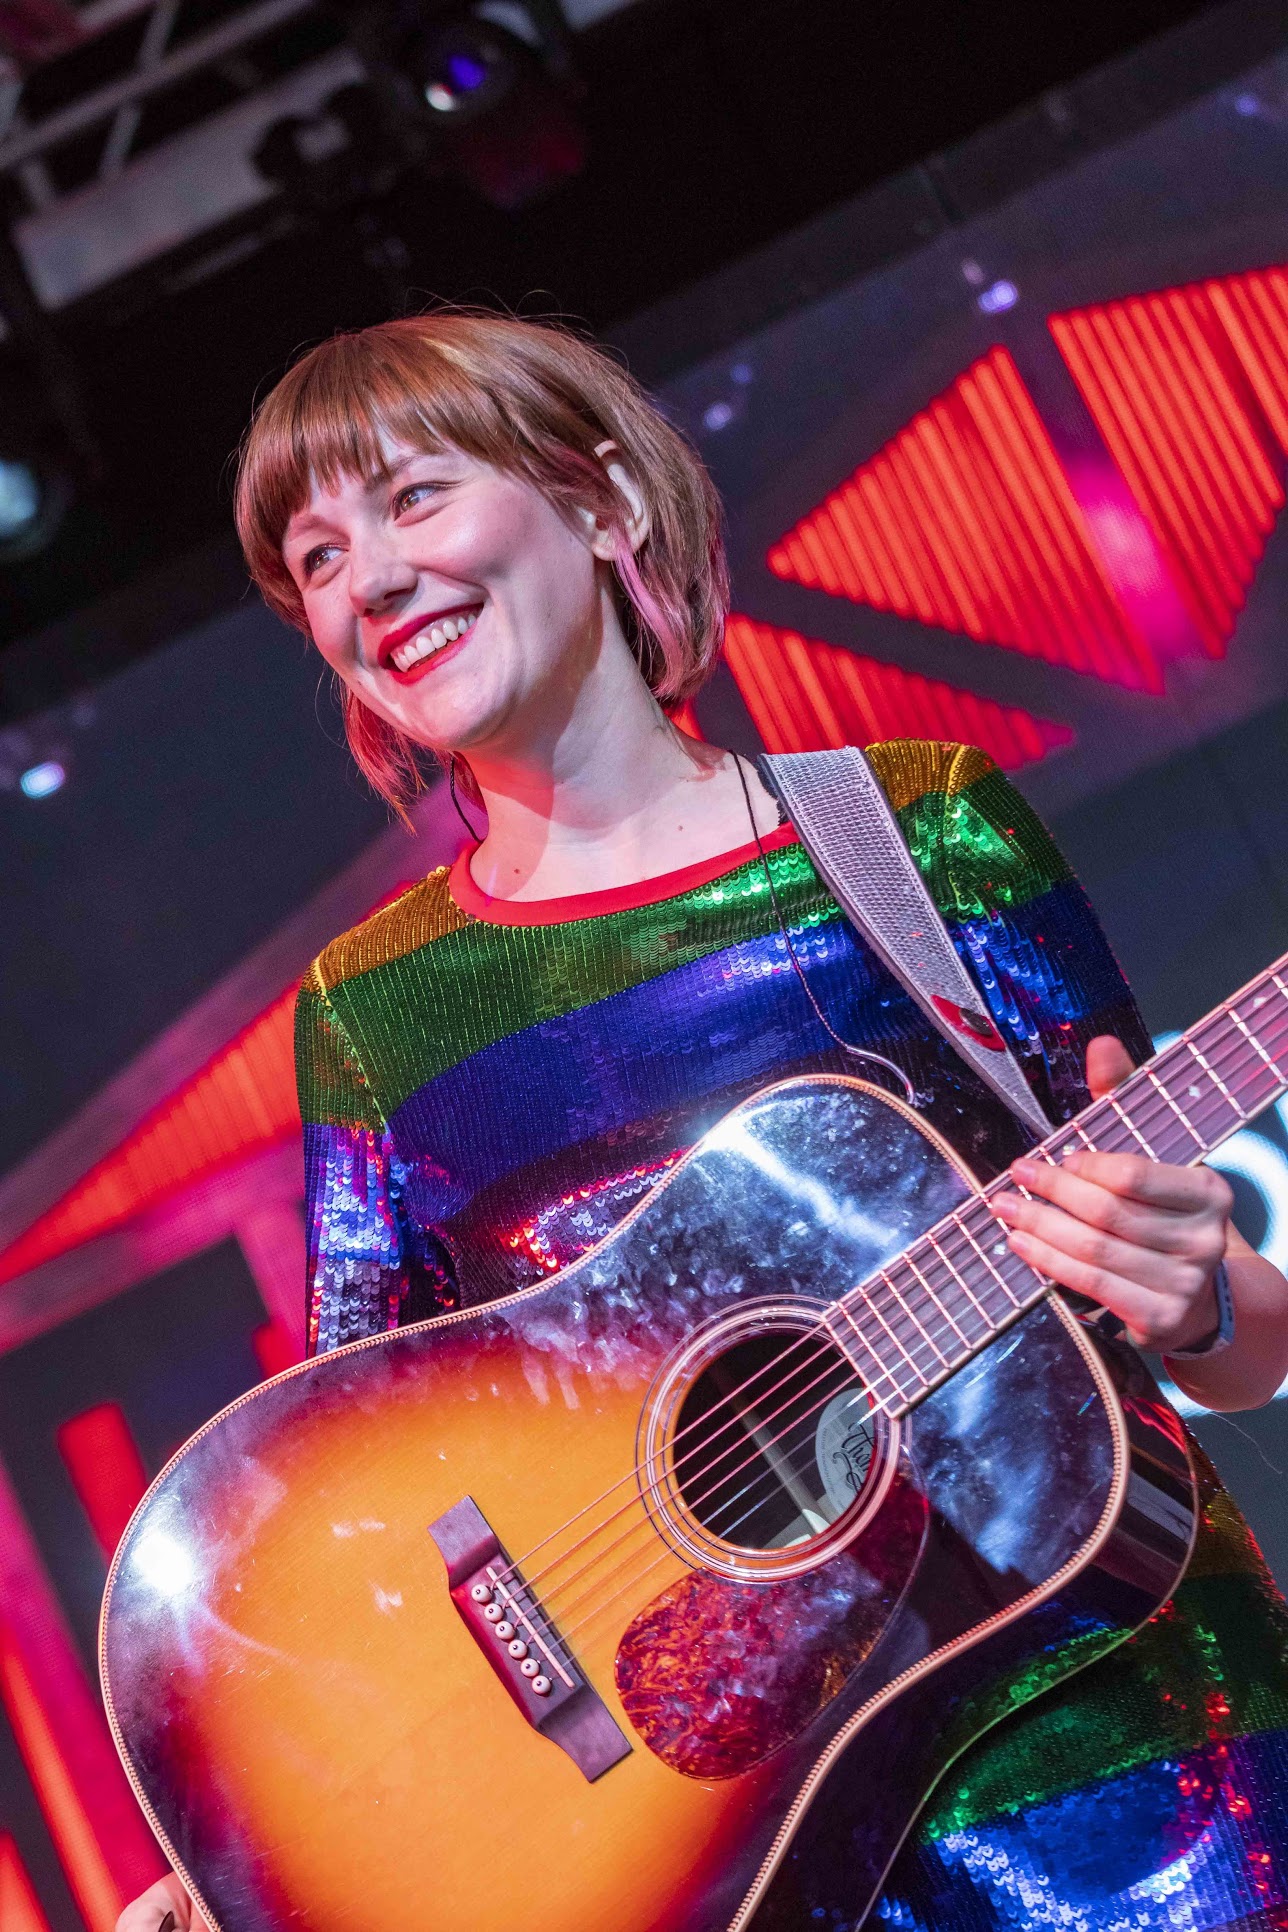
(917, 1321)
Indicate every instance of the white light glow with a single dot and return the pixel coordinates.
(164, 1563)
(39, 781)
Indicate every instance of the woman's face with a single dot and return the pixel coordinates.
(452, 598)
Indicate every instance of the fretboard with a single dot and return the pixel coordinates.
(916, 1321)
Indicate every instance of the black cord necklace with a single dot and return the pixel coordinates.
(847, 1046)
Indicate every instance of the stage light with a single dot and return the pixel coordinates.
(469, 70)
(718, 416)
(997, 298)
(19, 498)
(497, 111)
(34, 493)
(41, 781)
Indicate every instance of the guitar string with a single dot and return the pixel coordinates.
(819, 1332)
(632, 1582)
(601, 1555)
(692, 1503)
(725, 1531)
(645, 1522)
(808, 1337)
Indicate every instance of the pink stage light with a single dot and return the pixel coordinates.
(1189, 389)
(19, 1907)
(103, 1461)
(274, 1349)
(804, 696)
(965, 520)
(95, 1890)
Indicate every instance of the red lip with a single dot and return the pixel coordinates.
(392, 639)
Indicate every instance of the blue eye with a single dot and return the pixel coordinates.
(406, 498)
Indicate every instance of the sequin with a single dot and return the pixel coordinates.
(484, 1101)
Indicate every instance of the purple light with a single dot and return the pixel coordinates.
(466, 72)
(998, 297)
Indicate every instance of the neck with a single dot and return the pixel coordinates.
(604, 793)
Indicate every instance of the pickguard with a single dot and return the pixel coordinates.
(715, 1675)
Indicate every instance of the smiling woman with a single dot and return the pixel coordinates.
(379, 431)
(512, 562)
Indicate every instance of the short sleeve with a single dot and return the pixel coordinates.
(1018, 917)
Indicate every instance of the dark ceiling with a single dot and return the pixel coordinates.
(712, 126)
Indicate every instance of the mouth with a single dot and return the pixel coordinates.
(408, 652)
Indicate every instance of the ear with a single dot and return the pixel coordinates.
(636, 520)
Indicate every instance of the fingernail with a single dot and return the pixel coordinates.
(1024, 1170)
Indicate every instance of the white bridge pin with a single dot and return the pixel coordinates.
(481, 1593)
(504, 1630)
(517, 1648)
(541, 1686)
(494, 1613)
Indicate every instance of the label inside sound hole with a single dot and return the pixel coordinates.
(843, 1447)
(774, 1440)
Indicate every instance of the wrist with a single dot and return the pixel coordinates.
(1218, 1334)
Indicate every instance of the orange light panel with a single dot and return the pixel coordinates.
(1189, 389)
(242, 1101)
(19, 1907)
(965, 520)
(103, 1461)
(70, 1828)
(805, 696)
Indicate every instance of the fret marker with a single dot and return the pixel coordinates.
(1260, 1000)
(1194, 1093)
(1000, 1248)
(1070, 1149)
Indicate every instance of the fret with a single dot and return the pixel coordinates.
(902, 1396)
(927, 1337)
(1254, 1042)
(1130, 1125)
(1198, 1054)
(991, 1265)
(943, 1308)
(960, 1279)
(941, 1305)
(1159, 1088)
(873, 1307)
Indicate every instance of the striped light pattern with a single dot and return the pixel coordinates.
(965, 520)
(1189, 389)
(242, 1101)
(102, 1458)
(71, 1828)
(805, 696)
(19, 1907)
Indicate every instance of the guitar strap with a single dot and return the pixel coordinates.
(835, 802)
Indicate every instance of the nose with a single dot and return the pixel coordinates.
(379, 578)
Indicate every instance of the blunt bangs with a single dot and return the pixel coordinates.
(531, 399)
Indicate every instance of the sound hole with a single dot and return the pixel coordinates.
(773, 1441)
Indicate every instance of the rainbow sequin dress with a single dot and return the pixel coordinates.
(487, 1088)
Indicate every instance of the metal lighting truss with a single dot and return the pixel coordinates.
(78, 230)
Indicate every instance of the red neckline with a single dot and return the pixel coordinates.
(590, 905)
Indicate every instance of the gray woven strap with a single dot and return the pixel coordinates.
(836, 803)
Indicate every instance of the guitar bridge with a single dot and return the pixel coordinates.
(521, 1644)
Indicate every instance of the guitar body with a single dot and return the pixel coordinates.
(768, 1663)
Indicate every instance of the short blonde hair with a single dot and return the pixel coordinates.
(532, 399)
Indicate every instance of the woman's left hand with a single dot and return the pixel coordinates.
(1142, 1238)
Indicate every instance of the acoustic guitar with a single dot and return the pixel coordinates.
(657, 1597)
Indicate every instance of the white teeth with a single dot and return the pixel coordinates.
(426, 642)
